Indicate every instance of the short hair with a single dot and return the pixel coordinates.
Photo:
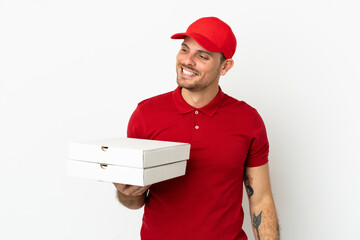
(222, 58)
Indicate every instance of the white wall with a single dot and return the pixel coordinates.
(76, 69)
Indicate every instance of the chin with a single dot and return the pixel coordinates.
(190, 87)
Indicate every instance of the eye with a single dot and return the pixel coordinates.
(184, 50)
(204, 57)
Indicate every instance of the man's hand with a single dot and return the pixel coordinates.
(131, 190)
(130, 196)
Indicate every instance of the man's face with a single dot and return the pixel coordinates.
(197, 69)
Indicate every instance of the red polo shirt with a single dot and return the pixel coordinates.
(226, 136)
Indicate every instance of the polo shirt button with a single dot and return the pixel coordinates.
(196, 112)
(196, 127)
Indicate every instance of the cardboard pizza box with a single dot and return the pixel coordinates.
(128, 160)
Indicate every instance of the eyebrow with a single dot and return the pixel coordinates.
(201, 51)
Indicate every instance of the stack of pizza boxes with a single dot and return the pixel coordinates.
(128, 160)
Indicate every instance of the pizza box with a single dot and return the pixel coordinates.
(125, 175)
(128, 160)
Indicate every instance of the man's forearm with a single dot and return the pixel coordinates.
(131, 202)
(262, 208)
(265, 222)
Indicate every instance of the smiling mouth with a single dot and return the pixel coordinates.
(187, 72)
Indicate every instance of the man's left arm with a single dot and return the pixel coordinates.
(262, 208)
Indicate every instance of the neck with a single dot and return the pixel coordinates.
(198, 99)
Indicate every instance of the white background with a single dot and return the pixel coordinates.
(75, 70)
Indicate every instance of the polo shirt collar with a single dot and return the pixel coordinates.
(210, 109)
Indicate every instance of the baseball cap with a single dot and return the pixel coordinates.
(212, 34)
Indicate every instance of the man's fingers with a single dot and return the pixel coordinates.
(130, 190)
(120, 186)
(141, 190)
(136, 190)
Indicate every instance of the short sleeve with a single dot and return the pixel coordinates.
(259, 148)
(136, 126)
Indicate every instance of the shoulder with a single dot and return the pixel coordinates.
(156, 101)
(237, 106)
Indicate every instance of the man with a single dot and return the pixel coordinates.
(228, 147)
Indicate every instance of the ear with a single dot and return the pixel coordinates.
(226, 66)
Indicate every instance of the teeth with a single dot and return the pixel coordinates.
(188, 73)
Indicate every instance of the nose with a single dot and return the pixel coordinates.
(189, 59)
